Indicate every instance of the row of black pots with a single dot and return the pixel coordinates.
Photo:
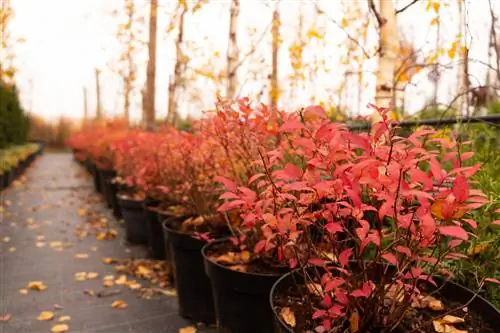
(9, 176)
(238, 302)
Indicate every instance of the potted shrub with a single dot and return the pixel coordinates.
(241, 280)
(192, 182)
(130, 197)
(370, 223)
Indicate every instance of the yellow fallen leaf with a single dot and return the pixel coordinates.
(45, 315)
(81, 256)
(188, 329)
(141, 270)
(92, 275)
(167, 292)
(12, 249)
(64, 318)
(436, 305)
(8, 203)
(82, 211)
(121, 280)
(6, 239)
(40, 238)
(119, 304)
(36, 285)
(23, 291)
(245, 256)
(449, 319)
(108, 260)
(60, 328)
(40, 244)
(288, 316)
(80, 276)
(134, 286)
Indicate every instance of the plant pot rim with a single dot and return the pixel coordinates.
(228, 239)
(175, 231)
(121, 197)
(283, 324)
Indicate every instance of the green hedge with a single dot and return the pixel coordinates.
(13, 119)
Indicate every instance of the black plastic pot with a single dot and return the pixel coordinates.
(194, 290)
(167, 246)
(156, 243)
(450, 291)
(115, 205)
(135, 224)
(11, 175)
(237, 294)
(106, 178)
(96, 177)
(2, 181)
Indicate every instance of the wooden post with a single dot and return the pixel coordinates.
(275, 31)
(232, 50)
(85, 105)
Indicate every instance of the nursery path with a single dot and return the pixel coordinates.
(38, 218)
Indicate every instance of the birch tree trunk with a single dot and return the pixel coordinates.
(232, 50)
(388, 57)
(179, 61)
(275, 31)
(149, 109)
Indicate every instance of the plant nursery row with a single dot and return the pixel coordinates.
(269, 221)
(15, 160)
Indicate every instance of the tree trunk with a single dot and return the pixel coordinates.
(463, 80)
(275, 31)
(179, 61)
(85, 106)
(126, 96)
(98, 112)
(149, 110)
(232, 50)
(388, 57)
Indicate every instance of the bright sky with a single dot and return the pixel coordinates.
(67, 39)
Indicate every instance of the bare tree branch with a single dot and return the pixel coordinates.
(253, 49)
(373, 9)
(407, 6)
(321, 11)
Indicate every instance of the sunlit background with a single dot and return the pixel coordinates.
(65, 41)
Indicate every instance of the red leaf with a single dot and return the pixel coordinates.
(341, 297)
(454, 231)
(292, 171)
(391, 258)
(229, 195)
(230, 185)
(291, 126)
(259, 246)
(492, 280)
(471, 222)
(230, 205)
(404, 250)
(255, 177)
(496, 222)
(335, 311)
(316, 262)
(319, 313)
(334, 227)
(344, 257)
(333, 284)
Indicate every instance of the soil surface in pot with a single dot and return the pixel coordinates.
(433, 314)
(204, 227)
(230, 256)
(131, 195)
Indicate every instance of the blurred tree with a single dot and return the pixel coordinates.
(232, 50)
(274, 93)
(149, 107)
(180, 60)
